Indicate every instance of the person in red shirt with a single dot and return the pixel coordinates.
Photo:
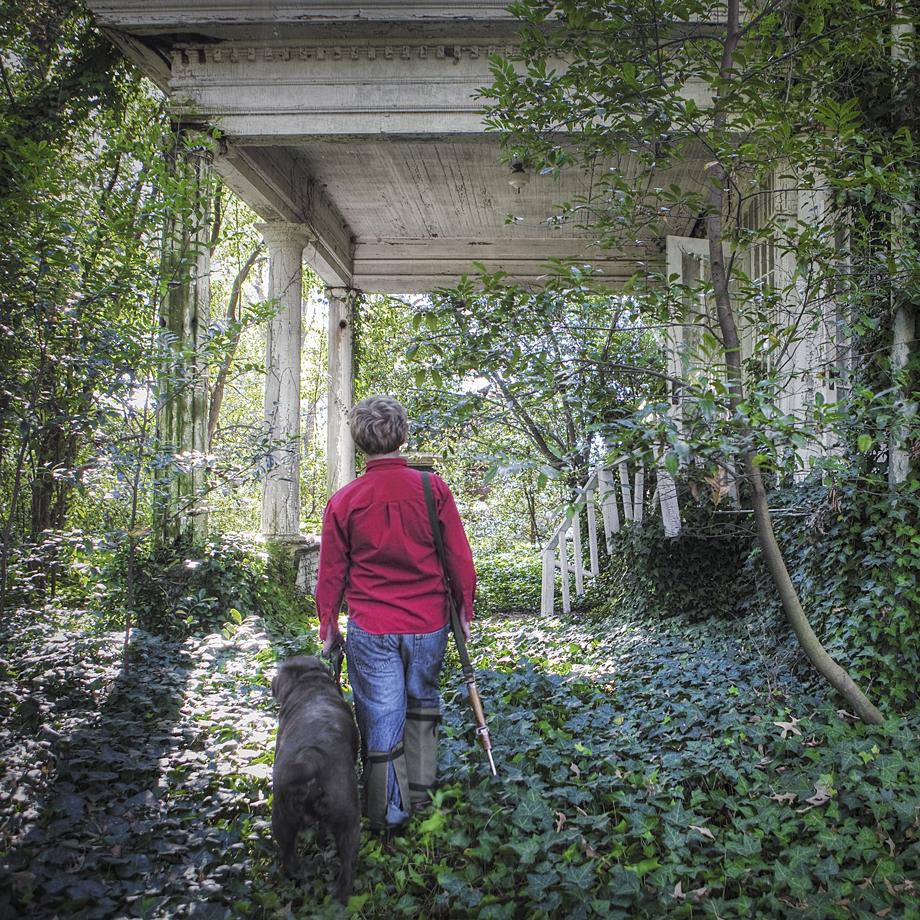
(377, 554)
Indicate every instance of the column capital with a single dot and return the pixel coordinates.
(277, 233)
(339, 292)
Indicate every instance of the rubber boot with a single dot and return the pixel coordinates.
(382, 788)
(421, 741)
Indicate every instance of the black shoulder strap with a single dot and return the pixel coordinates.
(435, 525)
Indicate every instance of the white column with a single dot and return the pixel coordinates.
(340, 449)
(180, 508)
(281, 489)
(906, 316)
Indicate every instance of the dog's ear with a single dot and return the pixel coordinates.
(276, 685)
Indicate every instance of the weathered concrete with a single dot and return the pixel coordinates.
(306, 562)
(340, 448)
(281, 493)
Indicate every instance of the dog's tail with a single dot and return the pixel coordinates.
(302, 785)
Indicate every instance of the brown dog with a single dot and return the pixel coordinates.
(314, 773)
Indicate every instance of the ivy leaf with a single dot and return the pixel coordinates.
(532, 812)
(527, 848)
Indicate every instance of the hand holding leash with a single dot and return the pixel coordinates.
(334, 652)
(333, 640)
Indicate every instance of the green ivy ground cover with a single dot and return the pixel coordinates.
(647, 769)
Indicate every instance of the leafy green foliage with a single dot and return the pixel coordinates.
(815, 117)
(853, 553)
(189, 591)
(855, 559)
(548, 371)
(647, 768)
(676, 577)
(508, 580)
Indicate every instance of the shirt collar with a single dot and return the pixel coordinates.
(386, 463)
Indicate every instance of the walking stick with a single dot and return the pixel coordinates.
(469, 676)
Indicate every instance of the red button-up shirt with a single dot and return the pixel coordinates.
(378, 553)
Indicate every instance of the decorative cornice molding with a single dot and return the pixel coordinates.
(184, 56)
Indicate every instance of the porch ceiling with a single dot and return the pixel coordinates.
(360, 121)
(421, 210)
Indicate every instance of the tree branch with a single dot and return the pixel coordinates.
(220, 382)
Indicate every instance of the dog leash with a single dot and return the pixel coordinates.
(334, 659)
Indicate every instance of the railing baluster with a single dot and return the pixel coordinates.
(639, 494)
(591, 511)
(600, 488)
(670, 509)
(578, 553)
(609, 508)
(547, 595)
(625, 491)
(564, 569)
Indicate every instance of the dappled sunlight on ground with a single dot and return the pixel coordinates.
(645, 769)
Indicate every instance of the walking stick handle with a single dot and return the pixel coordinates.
(475, 701)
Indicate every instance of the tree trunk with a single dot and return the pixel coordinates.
(835, 675)
(7, 535)
(236, 292)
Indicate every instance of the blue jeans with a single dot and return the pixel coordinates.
(388, 674)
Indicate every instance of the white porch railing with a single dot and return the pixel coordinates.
(620, 491)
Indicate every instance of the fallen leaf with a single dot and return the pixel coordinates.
(821, 797)
(703, 830)
(787, 798)
(574, 768)
(788, 727)
(678, 892)
(560, 821)
(884, 838)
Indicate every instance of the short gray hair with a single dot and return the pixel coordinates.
(379, 425)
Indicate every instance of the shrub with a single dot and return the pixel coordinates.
(508, 580)
(183, 591)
